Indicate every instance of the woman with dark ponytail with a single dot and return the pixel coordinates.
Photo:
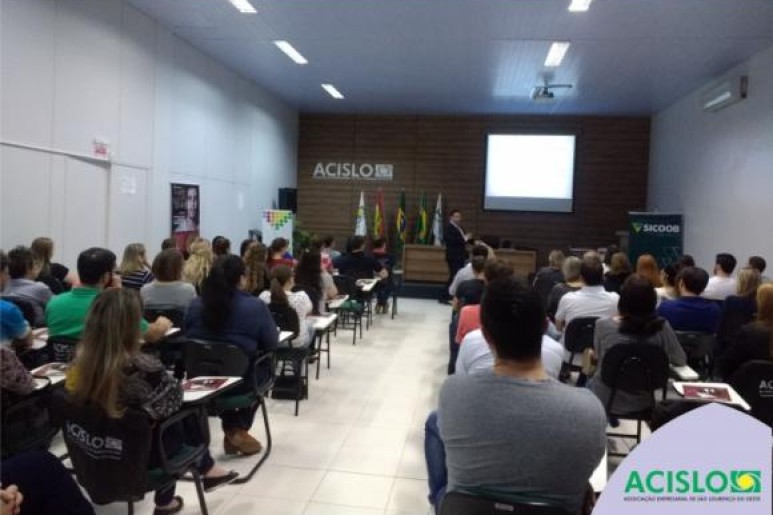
(225, 312)
(637, 322)
(281, 294)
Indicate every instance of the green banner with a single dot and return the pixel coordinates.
(658, 234)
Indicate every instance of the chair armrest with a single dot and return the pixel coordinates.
(169, 464)
(267, 357)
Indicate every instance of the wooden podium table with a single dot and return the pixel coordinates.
(427, 263)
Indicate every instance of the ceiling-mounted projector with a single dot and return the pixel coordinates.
(725, 93)
(543, 93)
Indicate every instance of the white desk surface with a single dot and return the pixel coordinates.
(54, 372)
(685, 373)
(284, 336)
(337, 302)
(598, 480)
(735, 397)
(198, 395)
(367, 285)
(323, 323)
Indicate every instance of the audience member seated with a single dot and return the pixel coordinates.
(668, 280)
(738, 309)
(54, 275)
(13, 325)
(469, 316)
(608, 253)
(466, 273)
(314, 281)
(470, 291)
(66, 313)
(325, 259)
(198, 263)
(619, 270)
(384, 287)
(591, 300)
(549, 276)
(168, 243)
(755, 339)
(226, 313)
(278, 254)
(759, 264)
(221, 246)
(636, 323)
(647, 266)
(256, 269)
(509, 433)
(168, 290)
(135, 270)
(111, 372)
(722, 285)
(22, 284)
(13, 376)
(37, 483)
(358, 264)
(684, 261)
(691, 312)
(282, 294)
(329, 252)
(572, 282)
(245, 246)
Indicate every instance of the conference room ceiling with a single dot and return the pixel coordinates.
(475, 56)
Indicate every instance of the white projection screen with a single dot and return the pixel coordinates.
(530, 172)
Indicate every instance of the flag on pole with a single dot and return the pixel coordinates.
(437, 222)
(360, 227)
(401, 224)
(379, 229)
(422, 222)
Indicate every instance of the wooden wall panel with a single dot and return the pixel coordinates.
(446, 154)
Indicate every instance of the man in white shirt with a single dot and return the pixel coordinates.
(722, 284)
(475, 355)
(589, 301)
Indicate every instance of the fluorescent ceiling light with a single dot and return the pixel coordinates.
(332, 91)
(291, 52)
(579, 5)
(244, 6)
(556, 53)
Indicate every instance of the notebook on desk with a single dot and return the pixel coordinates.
(711, 392)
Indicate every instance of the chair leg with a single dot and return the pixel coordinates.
(327, 340)
(199, 491)
(131, 507)
(638, 432)
(266, 453)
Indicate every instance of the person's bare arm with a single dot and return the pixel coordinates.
(157, 330)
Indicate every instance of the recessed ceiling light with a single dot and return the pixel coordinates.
(291, 52)
(244, 6)
(332, 91)
(579, 5)
(556, 53)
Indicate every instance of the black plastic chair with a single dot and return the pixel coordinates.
(170, 349)
(174, 314)
(61, 349)
(212, 358)
(458, 503)
(293, 359)
(111, 456)
(351, 312)
(754, 382)
(26, 422)
(637, 369)
(578, 336)
(699, 348)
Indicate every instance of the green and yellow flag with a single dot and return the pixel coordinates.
(422, 222)
(379, 229)
(401, 225)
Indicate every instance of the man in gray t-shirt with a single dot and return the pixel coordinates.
(514, 433)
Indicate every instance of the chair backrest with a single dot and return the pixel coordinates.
(110, 456)
(457, 503)
(62, 349)
(579, 333)
(346, 285)
(285, 318)
(175, 315)
(25, 306)
(635, 367)
(214, 358)
(696, 344)
(754, 382)
(26, 422)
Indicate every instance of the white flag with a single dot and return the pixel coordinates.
(437, 222)
(360, 226)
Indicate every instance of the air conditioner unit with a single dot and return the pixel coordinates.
(725, 93)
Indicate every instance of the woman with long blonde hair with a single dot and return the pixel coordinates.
(135, 269)
(256, 269)
(110, 372)
(54, 275)
(738, 309)
(647, 266)
(199, 263)
(755, 339)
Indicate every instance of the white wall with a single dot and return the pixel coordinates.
(73, 70)
(717, 169)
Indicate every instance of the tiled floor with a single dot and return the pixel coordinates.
(357, 446)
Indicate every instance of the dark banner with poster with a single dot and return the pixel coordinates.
(658, 234)
(185, 214)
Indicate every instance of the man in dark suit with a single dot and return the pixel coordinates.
(456, 253)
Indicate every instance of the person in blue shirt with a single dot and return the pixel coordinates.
(691, 312)
(13, 325)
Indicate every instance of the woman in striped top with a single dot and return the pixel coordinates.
(135, 270)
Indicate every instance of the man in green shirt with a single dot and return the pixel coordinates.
(66, 313)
